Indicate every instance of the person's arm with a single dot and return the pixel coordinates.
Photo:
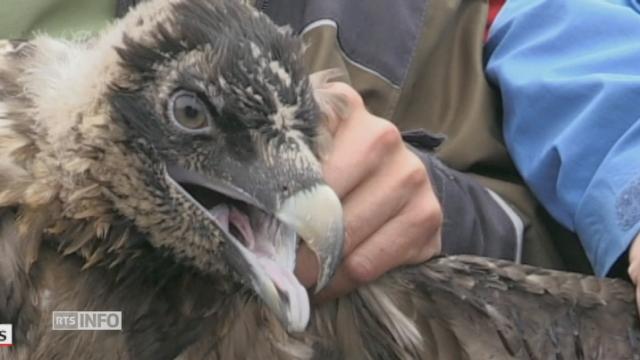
(401, 205)
(569, 76)
(476, 220)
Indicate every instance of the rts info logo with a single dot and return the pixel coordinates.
(6, 335)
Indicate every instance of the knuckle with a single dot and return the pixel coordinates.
(359, 269)
(436, 217)
(387, 135)
(416, 172)
(426, 213)
(426, 245)
(426, 252)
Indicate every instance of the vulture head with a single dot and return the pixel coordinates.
(189, 123)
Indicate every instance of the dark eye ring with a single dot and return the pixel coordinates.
(189, 112)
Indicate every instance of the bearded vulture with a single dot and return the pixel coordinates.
(167, 168)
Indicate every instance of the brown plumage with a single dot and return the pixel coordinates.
(112, 150)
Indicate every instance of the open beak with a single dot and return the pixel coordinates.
(261, 241)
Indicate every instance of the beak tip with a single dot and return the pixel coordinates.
(321, 284)
(327, 270)
(316, 214)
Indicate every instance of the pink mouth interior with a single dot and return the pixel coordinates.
(238, 224)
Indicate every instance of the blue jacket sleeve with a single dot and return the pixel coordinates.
(568, 72)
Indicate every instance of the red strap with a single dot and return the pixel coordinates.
(494, 8)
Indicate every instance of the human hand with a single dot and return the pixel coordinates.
(634, 267)
(392, 216)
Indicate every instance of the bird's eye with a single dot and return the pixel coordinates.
(188, 111)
